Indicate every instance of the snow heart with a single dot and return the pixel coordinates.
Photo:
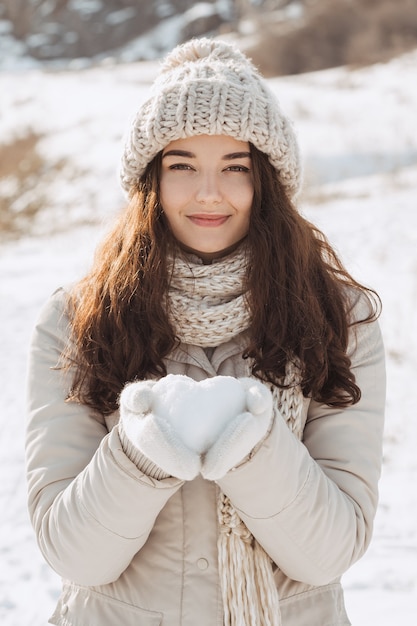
(208, 426)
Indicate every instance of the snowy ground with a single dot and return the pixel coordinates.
(358, 131)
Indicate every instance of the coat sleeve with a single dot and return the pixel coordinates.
(91, 507)
(311, 504)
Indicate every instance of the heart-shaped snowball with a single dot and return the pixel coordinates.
(198, 411)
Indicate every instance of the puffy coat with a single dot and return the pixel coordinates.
(135, 551)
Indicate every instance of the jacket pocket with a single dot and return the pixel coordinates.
(81, 606)
(320, 606)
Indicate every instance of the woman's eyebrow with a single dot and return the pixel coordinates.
(181, 153)
(236, 155)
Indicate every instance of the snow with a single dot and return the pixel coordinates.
(85, 6)
(120, 16)
(358, 132)
(200, 10)
(175, 399)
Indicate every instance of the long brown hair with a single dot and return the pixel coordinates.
(300, 296)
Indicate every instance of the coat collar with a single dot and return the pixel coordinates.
(195, 355)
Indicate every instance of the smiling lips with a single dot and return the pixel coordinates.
(206, 219)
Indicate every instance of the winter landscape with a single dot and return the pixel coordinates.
(358, 132)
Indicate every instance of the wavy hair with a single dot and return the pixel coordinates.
(299, 295)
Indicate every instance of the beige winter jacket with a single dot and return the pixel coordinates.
(134, 551)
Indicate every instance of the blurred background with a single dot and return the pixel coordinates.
(282, 36)
(73, 73)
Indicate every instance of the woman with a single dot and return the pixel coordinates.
(206, 405)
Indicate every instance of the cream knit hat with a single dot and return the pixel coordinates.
(208, 87)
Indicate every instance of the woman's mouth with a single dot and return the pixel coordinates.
(208, 220)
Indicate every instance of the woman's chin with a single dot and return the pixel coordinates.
(208, 255)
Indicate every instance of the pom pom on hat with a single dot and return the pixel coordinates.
(208, 87)
(198, 49)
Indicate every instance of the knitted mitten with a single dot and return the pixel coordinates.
(150, 432)
(242, 432)
(176, 422)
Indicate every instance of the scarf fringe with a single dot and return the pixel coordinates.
(250, 596)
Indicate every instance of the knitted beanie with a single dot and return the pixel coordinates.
(208, 87)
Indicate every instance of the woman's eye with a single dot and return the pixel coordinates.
(180, 166)
(238, 168)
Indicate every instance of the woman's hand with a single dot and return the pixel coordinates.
(153, 434)
(243, 431)
(186, 427)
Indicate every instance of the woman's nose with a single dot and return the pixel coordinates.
(208, 190)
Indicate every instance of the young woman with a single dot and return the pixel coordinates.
(206, 405)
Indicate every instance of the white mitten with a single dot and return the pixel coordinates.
(242, 432)
(176, 421)
(150, 431)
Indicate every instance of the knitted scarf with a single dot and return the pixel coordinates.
(207, 307)
(206, 303)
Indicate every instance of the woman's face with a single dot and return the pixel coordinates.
(206, 192)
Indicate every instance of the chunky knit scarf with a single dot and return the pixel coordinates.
(207, 307)
(206, 303)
